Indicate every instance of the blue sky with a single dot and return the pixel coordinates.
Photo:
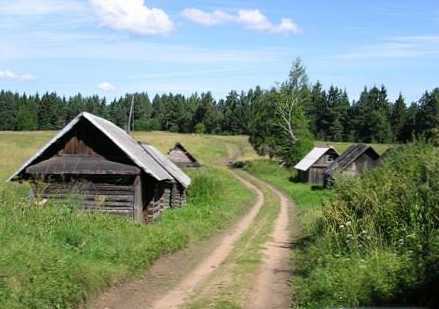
(111, 47)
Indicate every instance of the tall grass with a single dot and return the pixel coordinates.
(56, 256)
(378, 239)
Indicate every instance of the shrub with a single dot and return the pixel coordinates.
(380, 233)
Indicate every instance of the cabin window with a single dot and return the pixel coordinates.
(330, 158)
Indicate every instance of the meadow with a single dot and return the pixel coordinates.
(57, 257)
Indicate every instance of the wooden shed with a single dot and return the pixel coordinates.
(354, 161)
(105, 170)
(312, 167)
(181, 157)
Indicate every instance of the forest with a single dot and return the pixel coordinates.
(327, 114)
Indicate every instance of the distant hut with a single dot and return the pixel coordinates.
(106, 169)
(312, 167)
(354, 161)
(181, 157)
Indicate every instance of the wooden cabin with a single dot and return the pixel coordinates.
(104, 169)
(312, 167)
(357, 159)
(181, 157)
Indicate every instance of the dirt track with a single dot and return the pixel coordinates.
(272, 286)
(173, 279)
(138, 294)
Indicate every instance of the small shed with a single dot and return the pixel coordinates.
(182, 157)
(105, 170)
(312, 167)
(354, 161)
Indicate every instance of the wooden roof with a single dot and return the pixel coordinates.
(167, 164)
(185, 151)
(119, 137)
(349, 156)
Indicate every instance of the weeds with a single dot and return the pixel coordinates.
(57, 257)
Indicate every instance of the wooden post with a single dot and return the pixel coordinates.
(138, 201)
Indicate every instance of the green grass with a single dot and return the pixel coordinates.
(57, 257)
(302, 194)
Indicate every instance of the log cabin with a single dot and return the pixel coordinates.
(357, 159)
(312, 167)
(105, 170)
(182, 157)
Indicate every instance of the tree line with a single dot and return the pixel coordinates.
(329, 113)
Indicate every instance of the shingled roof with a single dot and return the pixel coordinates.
(118, 136)
(349, 156)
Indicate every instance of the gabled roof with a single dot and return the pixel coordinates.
(349, 156)
(118, 136)
(312, 157)
(167, 164)
(186, 152)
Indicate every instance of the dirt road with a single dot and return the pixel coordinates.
(152, 292)
(272, 289)
(172, 280)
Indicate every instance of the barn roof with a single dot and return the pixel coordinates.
(312, 157)
(167, 164)
(349, 156)
(186, 152)
(118, 136)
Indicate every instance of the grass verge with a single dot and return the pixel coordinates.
(56, 257)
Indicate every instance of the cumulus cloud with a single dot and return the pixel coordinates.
(13, 76)
(133, 16)
(250, 19)
(106, 87)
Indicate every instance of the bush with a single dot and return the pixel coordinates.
(380, 233)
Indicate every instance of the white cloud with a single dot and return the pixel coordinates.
(13, 76)
(250, 19)
(106, 87)
(206, 18)
(132, 16)
(38, 7)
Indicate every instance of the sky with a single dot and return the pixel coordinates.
(113, 47)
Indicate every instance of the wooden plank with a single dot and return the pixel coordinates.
(138, 200)
(91, 197)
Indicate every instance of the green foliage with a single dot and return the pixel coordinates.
(56, 256)
(200, 128)
(279, 126)
(377, 240)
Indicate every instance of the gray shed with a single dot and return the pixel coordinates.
(105, 168)
(182, 157)
(354, 161)
(312, 167)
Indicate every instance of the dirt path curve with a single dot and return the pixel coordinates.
(177, 296)
(272, 288)
(173, 278)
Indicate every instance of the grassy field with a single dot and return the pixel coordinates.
(56, 257)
